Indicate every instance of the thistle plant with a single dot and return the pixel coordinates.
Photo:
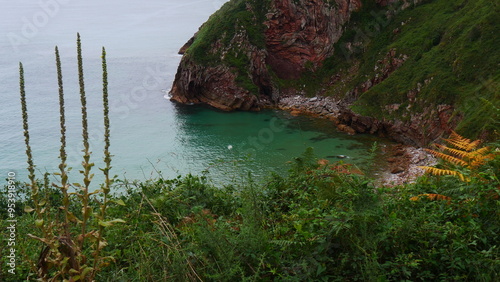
(69, 241)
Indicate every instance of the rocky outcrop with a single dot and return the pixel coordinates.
(218, 85)
(420, 129)
(206, 85)
(298, 35)
(434, 122)
(302, 34)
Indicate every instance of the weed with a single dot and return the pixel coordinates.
(72, 243)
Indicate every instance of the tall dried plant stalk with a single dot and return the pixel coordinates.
(31, 167)
(86, 164)
(62, 259)
(107, 155)
(106, 187)
(62, 152)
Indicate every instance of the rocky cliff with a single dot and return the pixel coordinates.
(399, 68)
(302, 34)
(295, 35)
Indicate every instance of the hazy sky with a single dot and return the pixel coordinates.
(121, 25)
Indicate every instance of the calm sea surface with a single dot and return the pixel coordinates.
(150, 135)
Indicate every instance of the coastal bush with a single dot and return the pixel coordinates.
(317, 224)
(314, 224)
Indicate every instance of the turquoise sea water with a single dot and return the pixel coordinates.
(150, 135)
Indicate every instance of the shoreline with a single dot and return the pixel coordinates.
(403, 165)
(403, 161)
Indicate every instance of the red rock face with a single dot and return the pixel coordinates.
(301, 34)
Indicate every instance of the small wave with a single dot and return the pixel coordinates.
(167, 93)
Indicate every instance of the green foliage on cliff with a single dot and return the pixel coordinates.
(452, 58)
(219, 40)
(221, 28)
(453, 46)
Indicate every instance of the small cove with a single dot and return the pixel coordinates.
(150, 136)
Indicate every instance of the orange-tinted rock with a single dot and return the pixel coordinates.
(303, 33)
(346, 128)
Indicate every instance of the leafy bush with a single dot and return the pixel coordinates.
(315, 224)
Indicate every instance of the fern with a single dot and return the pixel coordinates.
(448, 158)
(481, 157)
(432, 197)
(461, 142)
(439, 172)
(462, 152)
(458, 153)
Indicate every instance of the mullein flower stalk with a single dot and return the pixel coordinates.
(61, 258)
(106, 187)
(31, 167)
(62, 152)
(86, 164)
(107, 155)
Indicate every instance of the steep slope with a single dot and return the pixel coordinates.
(224, 63)
(410, 70)
(237, 52)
